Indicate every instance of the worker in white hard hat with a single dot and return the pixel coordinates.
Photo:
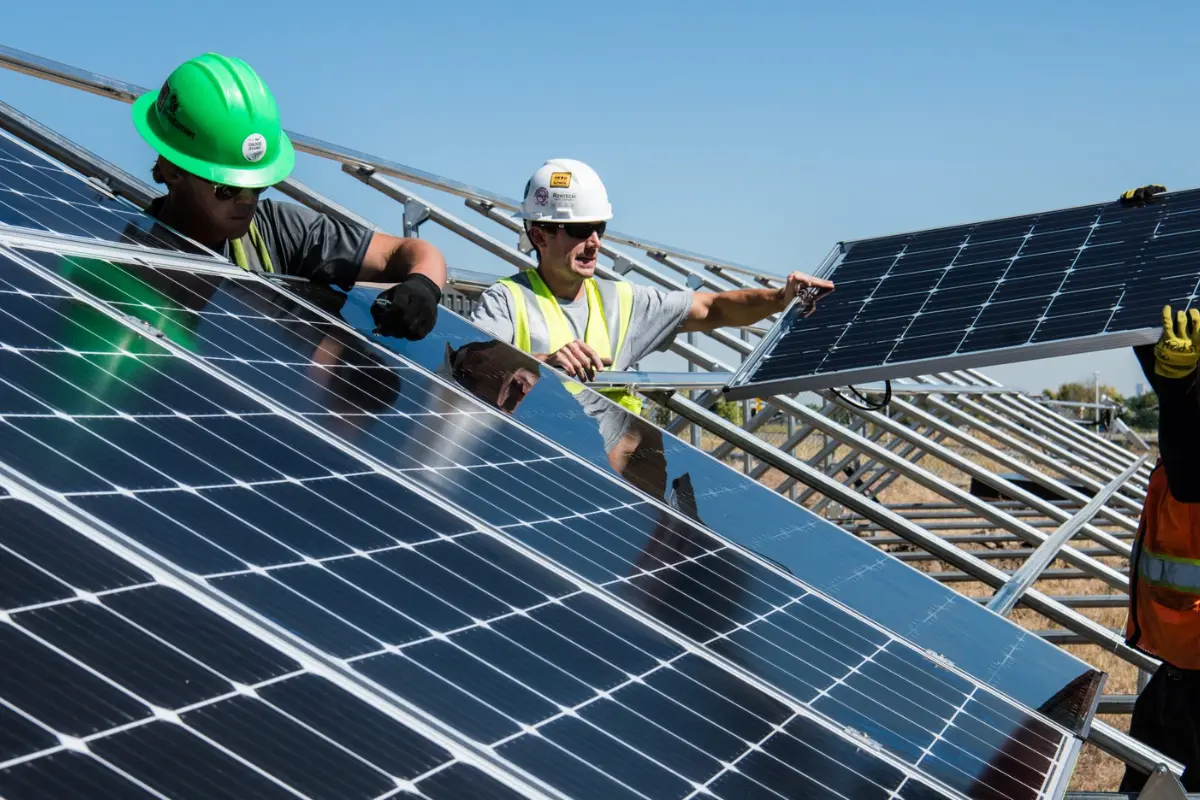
(564, 316)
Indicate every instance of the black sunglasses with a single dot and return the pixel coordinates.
(225, 193)
(576, 230)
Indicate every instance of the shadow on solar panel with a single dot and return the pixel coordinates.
(1018, 289)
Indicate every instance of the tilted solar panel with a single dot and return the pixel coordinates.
(529, 662)
(1006, 290)
(40, 195)
(742, 510)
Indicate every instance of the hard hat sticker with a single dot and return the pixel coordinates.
(541, 196)
(255, 147)
(560, 180)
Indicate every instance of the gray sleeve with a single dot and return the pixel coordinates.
(313, 245)
(656, 318)
(494, 314)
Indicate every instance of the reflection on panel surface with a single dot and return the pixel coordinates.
(812, 549)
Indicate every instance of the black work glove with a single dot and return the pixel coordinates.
(1141, 196)
(407, 310)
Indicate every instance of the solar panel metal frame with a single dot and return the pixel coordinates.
(743, 384)
(187, 263)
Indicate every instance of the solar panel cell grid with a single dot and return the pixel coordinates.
(39, 195)
(117, 686)
(1048, 277)
(683, 577)
(376, 610)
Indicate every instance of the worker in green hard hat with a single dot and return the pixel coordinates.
(220, 144)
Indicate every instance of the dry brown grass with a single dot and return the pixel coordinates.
(1095, 771)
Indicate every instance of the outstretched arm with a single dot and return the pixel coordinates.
(746, 306)
(1175, 381)
(391, 259)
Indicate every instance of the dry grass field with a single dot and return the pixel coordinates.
(1095, 770)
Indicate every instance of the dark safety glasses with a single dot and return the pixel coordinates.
(576, 230)
(225, 193)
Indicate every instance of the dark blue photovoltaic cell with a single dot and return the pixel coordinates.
(448, 617)
(36, 193)
(96, 666)
(1082, 272)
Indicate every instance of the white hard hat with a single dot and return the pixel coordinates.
(565, 190)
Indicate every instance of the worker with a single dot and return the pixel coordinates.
(220, 144)
(1164, 596)
(566, 317)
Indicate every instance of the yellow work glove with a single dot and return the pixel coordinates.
(1136, 198)
(1178, 348)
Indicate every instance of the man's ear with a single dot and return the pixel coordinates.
(170, 173)
(537, 236)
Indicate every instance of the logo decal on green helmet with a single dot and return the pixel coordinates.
(168, 106)
(255, 147)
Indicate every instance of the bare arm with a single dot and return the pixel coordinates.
(738, 307)
(390, 259)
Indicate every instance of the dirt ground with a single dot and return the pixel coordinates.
(1095, 770)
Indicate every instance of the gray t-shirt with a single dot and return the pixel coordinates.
(653, 322)
(307, 243)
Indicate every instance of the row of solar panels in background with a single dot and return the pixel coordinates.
(990, 292)
(532, 663)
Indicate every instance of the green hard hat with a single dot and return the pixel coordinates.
(215, 118)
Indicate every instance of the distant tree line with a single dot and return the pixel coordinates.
(1140, 412)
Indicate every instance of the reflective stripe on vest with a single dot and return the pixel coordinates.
(1172, 572)
(1164, 618)
(550, 330)
(250, 251)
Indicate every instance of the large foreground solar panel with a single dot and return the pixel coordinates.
(1055, 283)
(519, 620)
(441, 608)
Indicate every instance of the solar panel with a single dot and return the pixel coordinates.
(40, 195)
(753, 687)
(116, 684)
(741, 510)
(1006, 290)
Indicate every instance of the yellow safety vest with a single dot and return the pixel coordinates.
(255, 258)
(558, 330)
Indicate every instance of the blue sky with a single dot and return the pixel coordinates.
(762, 135)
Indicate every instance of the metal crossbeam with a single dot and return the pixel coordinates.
(1008, 594)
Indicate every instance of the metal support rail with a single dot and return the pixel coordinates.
(1008, 594)
(1011, 489)
(1082, 433)
(1052, 574)
(947, 489)
(1031, 453)
(1102, 452)
(988, 408)
(1022, 554)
